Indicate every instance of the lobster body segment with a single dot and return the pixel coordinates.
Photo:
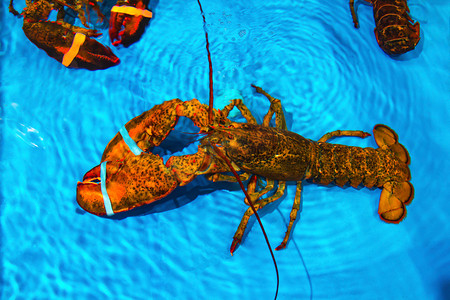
(395, 31)
(369, 167)
(257, 151)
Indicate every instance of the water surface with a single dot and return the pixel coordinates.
(56, 122)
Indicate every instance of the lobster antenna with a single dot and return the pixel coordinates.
(220, 153)
(211, 97)
(227, 161)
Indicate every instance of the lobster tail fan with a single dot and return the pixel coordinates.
(394, 197)
(395, 194)
(401, 152)
(385, 137)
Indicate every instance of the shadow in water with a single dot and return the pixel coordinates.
(292, 241)
(445, 290)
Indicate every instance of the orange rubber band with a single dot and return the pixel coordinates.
(78, 40)
(130, 10)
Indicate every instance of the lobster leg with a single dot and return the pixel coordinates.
(242, 108)
(223, 177)
(252, 189)
(296, 207)
(353, 12)
(339, 133)
(249, 212)
(12, 9)
(275, 107)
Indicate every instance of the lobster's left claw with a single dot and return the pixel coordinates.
(128, 21)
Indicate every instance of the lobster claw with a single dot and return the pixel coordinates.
(89, 193)
(137, 181)
(60, 42)
(94, 56)
(128, 21)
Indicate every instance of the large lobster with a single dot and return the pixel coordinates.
(394, 30)
(130, 175)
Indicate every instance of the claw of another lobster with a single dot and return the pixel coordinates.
(58, 42)
(128, 21)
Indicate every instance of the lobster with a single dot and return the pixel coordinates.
(71, 45)
(394, 30)
(128, 21)
(130, 175)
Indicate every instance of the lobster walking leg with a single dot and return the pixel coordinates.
(230, 178)
(280, 122)
(251, 189)
(242, 108)
(275, 107)
(339, 133)
(296, 207)
(12, 9)
(249, 212)
(353, 12)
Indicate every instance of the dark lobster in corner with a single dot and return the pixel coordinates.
(71, 45)
(130, 175)
(395, 30)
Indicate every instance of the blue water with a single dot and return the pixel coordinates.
(56, 122)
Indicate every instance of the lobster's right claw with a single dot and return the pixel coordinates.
(139, 180)
(128, 21)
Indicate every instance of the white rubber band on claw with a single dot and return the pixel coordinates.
(133, 11)
(129, 141)
(106, 199)
(78, 41)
